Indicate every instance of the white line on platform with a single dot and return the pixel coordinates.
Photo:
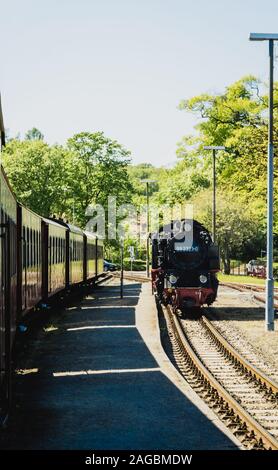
(100, 327)
(105, 371)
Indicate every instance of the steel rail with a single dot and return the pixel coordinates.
(230, 350)
(204, 374)
(252, 288)
(131, 277)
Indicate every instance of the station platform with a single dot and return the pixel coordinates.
(98, 378)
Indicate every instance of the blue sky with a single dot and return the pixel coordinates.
(122, 66)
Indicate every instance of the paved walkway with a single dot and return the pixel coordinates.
(97, 378)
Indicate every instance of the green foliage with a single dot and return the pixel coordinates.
(34, 134)
(180, 183)
(239, 234)
(235, 119)
(275, 273)
(98, 170)
(137, 264)
(36, 171)
(64, 181)
(137, 173)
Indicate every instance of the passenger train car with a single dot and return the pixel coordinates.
(39, 258)
(8, 284)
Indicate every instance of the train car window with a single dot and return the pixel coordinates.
(33, 248)
(39, 251)
(23, 248)
(50, 251)
(27, 247)
(37, 248)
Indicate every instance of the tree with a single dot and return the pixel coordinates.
(34, 134)
(139, 172)
(98, 170)
(235, 119)
(37, 172)
(239, 234)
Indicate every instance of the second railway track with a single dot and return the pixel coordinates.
(256, 289)
(243, 396)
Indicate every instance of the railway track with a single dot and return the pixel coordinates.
(133, 277)
(243, 396)
(252, 288)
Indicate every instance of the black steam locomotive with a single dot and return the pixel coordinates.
(184, 265)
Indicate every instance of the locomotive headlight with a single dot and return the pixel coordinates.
(173, 279)
(203, 279)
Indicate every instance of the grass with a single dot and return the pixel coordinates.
(242, 279)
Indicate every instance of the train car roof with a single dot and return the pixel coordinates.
(29, 210)
(75, 229)
(72, 228)
(90, 234)
(52, 222)
(7, 182)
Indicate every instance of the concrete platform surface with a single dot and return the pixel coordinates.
(98, 378)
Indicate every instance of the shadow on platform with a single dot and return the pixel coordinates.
(93, 384)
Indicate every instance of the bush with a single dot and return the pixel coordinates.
(137, 264)
(275, 273)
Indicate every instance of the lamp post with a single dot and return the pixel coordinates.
(214, 149)
(269, 304)
(148, 181)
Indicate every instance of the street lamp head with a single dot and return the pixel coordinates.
(263, 37)
(214, 147)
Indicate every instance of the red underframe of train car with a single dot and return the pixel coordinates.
(181, 295)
